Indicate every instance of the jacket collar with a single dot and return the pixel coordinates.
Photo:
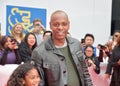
(49, 45)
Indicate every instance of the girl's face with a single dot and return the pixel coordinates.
(32, 78)
(31, 40)
(89, 52)
(18, 29)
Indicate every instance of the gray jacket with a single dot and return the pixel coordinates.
(53, 62)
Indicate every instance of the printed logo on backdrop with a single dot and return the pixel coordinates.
(25, 16)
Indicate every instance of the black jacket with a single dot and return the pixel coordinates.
(115, 56)
(25, 52)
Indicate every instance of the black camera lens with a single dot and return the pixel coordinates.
(37, 24)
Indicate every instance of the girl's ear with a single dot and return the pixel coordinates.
(23, 81)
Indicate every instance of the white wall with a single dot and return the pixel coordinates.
(86, 16)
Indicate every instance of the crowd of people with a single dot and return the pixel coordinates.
(55, 58)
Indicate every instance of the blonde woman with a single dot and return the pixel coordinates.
(17, 32)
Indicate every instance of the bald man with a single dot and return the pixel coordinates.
(61, 56)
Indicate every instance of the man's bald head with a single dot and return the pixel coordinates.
(59, 13)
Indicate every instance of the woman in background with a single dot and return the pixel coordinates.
(104, 53)
(24, 75)
(27, 46)
(114, 64)
(91, 60)
(17, 32)
(9, 51)
(112, 43)
(94, 67)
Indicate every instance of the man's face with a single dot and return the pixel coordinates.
(89, 40)
(37, 25)
(46, 35)
(59, 26)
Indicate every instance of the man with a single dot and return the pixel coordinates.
(38, 30)
(61, 56)
(46, 34)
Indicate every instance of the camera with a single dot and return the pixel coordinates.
(37, 24)
(102, 46)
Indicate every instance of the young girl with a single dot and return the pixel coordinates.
(24, 75)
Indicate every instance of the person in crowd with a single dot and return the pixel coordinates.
(104, 54)
(17, 32)
(38, 30)
(82, 41)
(112, 43)
(61, 56)
(89, 40)
(46, 34)
(27, 46)
(91, 60)
(114, 63)
(106, 50)
(24, 75)
(9, 51)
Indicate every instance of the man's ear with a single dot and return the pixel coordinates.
(50, 25)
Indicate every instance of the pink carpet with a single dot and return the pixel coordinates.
(5, 72)
(98, 79)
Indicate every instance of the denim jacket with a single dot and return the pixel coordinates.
(53, 62)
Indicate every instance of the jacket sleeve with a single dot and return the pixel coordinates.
(100, 57)
(112, 62)
(38, 61)
(24, 53)
(97, 63)
(87, 79)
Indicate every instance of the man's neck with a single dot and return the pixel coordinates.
(60, 43)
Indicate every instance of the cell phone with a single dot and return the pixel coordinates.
(103, 47)
(82, 40)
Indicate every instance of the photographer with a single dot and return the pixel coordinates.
(38, 30)
(104, 53)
